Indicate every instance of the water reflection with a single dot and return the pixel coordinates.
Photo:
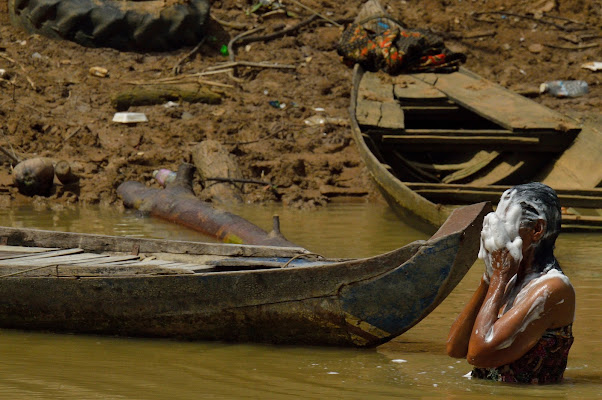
(48, 366)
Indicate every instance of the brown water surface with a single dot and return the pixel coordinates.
(58, 366)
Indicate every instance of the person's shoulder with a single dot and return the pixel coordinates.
(553, 285)
(556, 278)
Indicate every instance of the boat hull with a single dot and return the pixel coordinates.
(359, 303)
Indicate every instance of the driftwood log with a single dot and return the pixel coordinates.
(177, 203)
(64, 173)
(160, 94)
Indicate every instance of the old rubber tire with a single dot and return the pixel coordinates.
(123, 25)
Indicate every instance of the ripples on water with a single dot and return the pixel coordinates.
(48, 366)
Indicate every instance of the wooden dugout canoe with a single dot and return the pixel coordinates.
(433, 141)
(82, 283)
(426, 203)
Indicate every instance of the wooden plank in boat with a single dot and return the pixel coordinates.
(392, 116)
(418, 143)
(377, 87)
(376, 104)
(17, 254)
(502, 106)
(470, 193)
(114, 259)
(33, 257)
(581, 164)
(387, 115)
(24, 249)
(367, 112)
(410, 88)
(56, 260)
(103, 243)
(68, 271)
(478, 158)
(511, 167)
(480, 161)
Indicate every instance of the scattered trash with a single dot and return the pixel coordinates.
(535, 48)
(129, 117)
(564, 88)
(36, 56)
(164, 176)
(593, 65)
(224, 50)
(99, 72)
(171, 104)
(2, 73)
(186, 116)
(319, 109)
(320, 120)
(277, 104)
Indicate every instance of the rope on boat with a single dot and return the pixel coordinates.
(27, 270)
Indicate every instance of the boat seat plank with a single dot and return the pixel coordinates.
(502, 106)
(591, 198)
(414, 143)
(493, 139)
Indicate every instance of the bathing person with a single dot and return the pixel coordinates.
(517, 325)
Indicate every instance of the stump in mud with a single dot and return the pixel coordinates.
(212, 160)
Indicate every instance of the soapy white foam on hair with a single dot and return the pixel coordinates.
(500, 230)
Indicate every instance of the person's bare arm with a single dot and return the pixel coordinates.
(459, 334)
(497, 341)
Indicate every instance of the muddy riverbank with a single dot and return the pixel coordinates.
(51, 106)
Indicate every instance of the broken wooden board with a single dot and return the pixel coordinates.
(502, 106)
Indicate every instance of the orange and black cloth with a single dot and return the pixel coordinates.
(379, 43)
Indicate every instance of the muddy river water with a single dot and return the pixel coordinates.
(59, 366)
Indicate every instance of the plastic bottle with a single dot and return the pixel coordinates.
(565, 88)
(164, 176)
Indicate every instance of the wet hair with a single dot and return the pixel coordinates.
(539, 201)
